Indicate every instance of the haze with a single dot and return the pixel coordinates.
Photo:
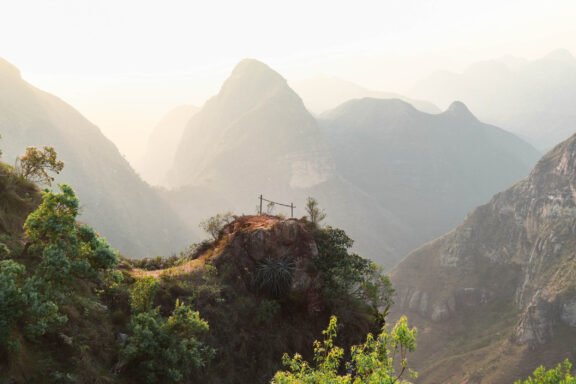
(125, 64)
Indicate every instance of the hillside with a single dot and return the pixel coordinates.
(533, 99)
(427, 169)
(496, 296)
(115, 200)
(263, 287)
(162, 144)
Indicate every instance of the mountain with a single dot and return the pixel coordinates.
(428, 169)
(114, 199)
(496, 297)
(256, 123)
(323, 93)
(256, 137)
(162, 144)
(533, 99)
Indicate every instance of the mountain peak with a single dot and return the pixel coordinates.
(460, 110)
(251, 69)
(559, 55)
(8, 70)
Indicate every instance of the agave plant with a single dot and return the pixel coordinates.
(274, 275)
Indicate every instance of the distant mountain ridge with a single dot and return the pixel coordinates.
(324, 93)
(533, 99)
(499, 290)
(162, 144)
(256, 136)
(429, 170)
(113, 198)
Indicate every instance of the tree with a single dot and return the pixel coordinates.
(344, 273)
(163, 350)
(67, 248)
(214, 224)
(375, 361)
(35, 164)
(561, 374)
(315, 214)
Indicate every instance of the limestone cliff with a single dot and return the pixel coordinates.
(502, 284)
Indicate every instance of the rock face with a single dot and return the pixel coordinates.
(512, 258)
(113, 198)
(254, 239)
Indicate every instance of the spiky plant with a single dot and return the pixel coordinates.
(274, 276)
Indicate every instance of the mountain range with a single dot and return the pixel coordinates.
(376, 166)
(533, 99)
(323, 93)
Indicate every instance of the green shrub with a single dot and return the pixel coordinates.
(561, 374)
(214, 224)
(375, 361)
(142, 294)
(266, 310)
(13, 299)
(166, 350)
(344, 273)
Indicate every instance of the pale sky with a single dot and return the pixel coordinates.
(125, 63)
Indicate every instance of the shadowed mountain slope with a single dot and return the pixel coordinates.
(114, 199)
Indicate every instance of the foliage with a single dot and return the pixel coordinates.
(4, 251)
(214, 224)
(159, 262)
(23, 302)
(315, 214)
(142, 294)
(561, 374)
(166, 350)
(373, 362)
(347, 273)
(266, 310)
(35, 164)
(274, 275)
(67, 251)
(67, 248)
(12, 298)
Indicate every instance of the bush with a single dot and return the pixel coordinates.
(266, 310)
(166, 350)
(214, 224)
(376, 361)
(24, 303)
(13, 299)
(142, 294)
(344, 273)
(561, 374)
(67, 248)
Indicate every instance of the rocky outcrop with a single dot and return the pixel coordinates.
(510, 264)
(251, 240)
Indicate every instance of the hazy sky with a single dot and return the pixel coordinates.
(125, 63)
